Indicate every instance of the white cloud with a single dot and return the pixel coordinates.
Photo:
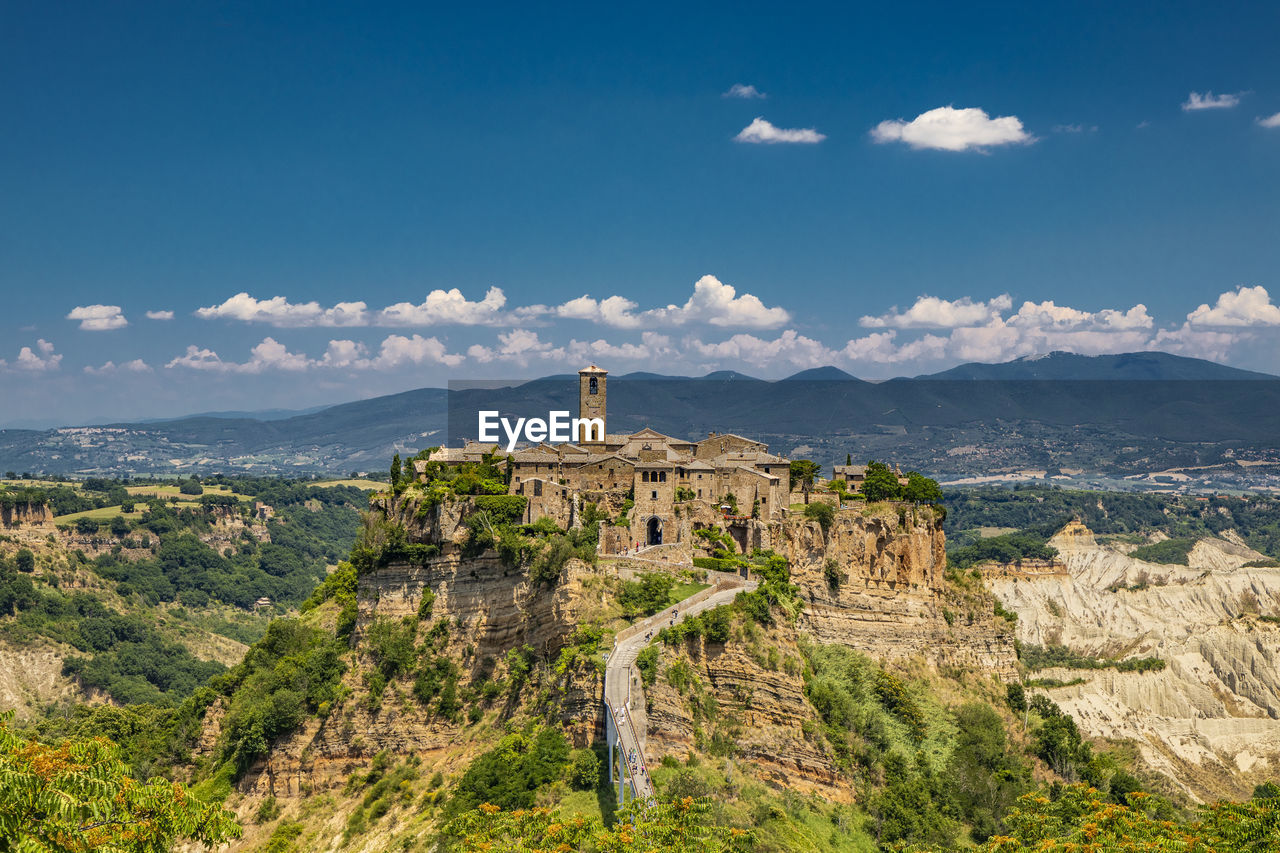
(1050, 316)
(273, 355)
(1075, 128)
(652, 345)
(270, 354)
(159, 315)
(748, 92)
(135, 366)
(712, 302)
(1270, 121)
(439, 307)
(790, 347)
(1209, 101)
(1197, 343)
(980, 331)
(763, 131)
(950, 129)
(278, 311)
(932, 312)
(196, 358)
(615, 311)
(445, 306)
(39, 360)
(717, 303)
(98, 318)
(343, 354)
(399, 351)
(881, 348)
(1244, 306)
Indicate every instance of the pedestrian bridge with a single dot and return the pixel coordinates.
(625, 714)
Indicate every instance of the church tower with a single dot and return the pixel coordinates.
(591, 400)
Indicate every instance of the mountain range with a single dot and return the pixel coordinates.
(1096, 413)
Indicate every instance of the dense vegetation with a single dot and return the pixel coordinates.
(1042, 657)
(1170, 551)
(125, 654)
(159, 556)
(678, 826)
(1045, 510)
(1079, 818)
(1005, 548)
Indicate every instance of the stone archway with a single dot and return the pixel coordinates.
(653, 534)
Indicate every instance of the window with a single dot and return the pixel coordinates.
(699, 492)
(537, 488)
(662, 476)
(699, 476)
(653, 495)
(594, 386)
(644, 476)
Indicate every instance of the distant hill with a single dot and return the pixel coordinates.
(1156, 411)
(822, 374)
(1147, 366)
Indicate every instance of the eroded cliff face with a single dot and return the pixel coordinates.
(1210, 720)
(750, 692)
(488, 608)
(891, 599)
(25, 515)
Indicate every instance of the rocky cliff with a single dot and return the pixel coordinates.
(25, 514)
(1210, 721)
(874, 582)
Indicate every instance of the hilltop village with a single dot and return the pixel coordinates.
(667, 484)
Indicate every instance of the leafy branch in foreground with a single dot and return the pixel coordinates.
(78, 796)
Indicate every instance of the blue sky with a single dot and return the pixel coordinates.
(900, 190)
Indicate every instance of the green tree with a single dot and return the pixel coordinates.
(78, 796)
(396, 472)
(26, 560)
(880, 483)
(802, 473)
(922, 490)
(985, 777)
(584, 769)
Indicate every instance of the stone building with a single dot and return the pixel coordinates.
(659, 474)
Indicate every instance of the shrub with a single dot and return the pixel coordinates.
(822, 513)
(834, 577)
(647, 663)
(584, 769)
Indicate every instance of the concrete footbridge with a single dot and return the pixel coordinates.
(625, 713)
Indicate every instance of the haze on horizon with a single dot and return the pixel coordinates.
(210, 208)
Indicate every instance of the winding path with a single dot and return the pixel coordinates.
(622, 680)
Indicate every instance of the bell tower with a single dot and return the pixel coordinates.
(591, 401)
